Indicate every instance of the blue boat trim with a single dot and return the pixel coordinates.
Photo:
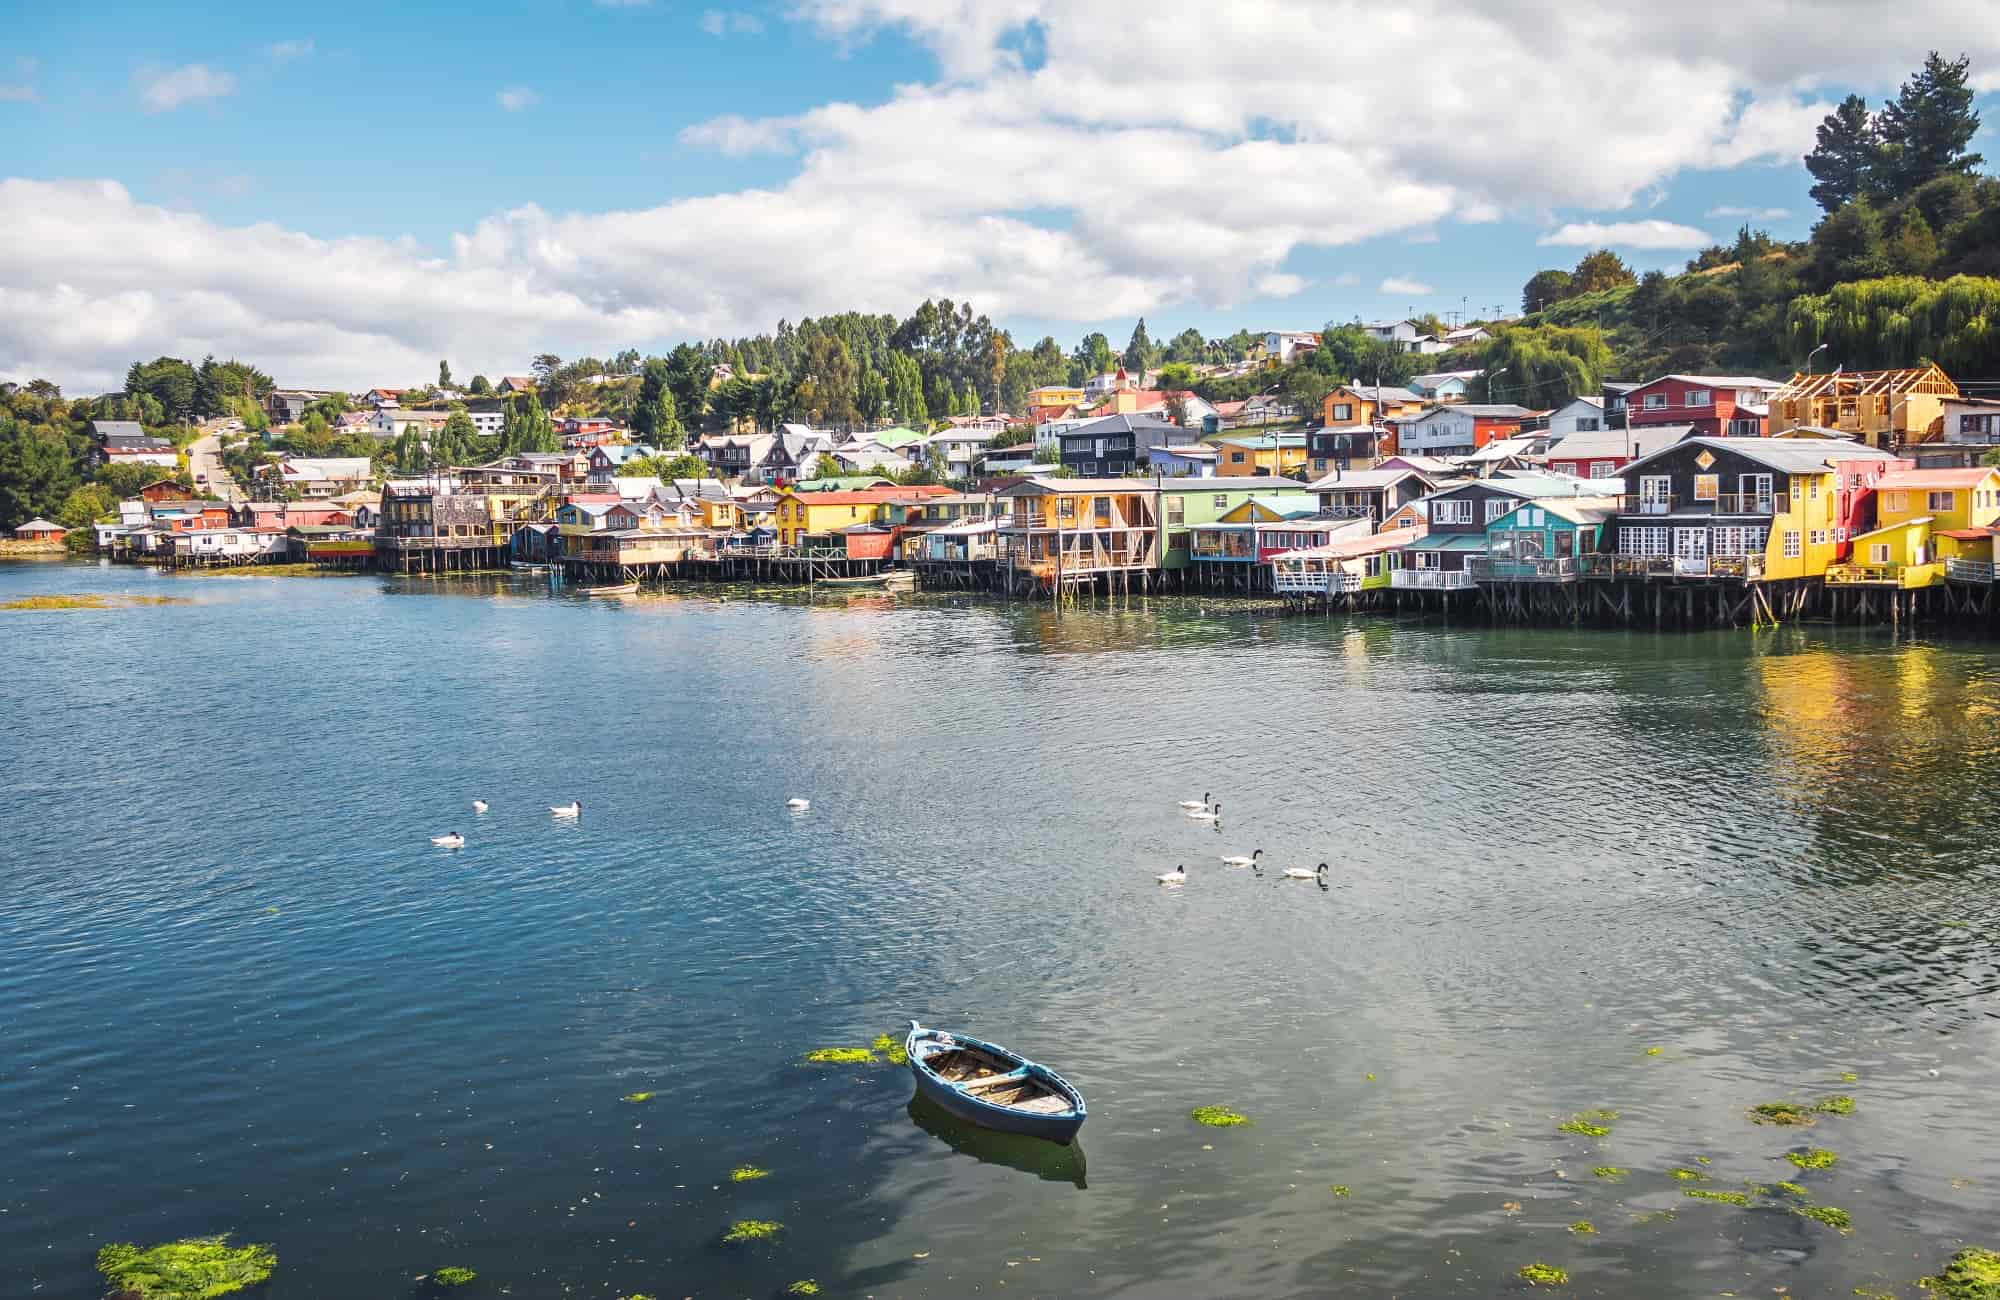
(1056, 1126)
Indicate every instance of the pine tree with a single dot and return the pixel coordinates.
(1846, 155)
(1926, 128)
(1138, 353)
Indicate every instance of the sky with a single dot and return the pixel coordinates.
(345, 194)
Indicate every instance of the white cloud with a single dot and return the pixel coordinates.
(289, 49)
(1404, 284)
(735, 136)
(1625, 234)
(1280, 284)
(516, 98)
(163, 90)
(718, 22)
(1752, 214)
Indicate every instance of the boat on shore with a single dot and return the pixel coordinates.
(985, 1084)
(621, 589)
(866, 580)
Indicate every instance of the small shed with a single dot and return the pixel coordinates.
(868, 541)
(40, 530)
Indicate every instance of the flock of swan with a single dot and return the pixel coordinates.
(1202, 810)
(568, 812)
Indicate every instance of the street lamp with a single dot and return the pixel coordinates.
(1815, 352)
(1492, 375)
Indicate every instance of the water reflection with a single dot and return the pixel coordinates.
(1049, 1161)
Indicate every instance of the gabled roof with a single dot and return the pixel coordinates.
(1387, 393)
(39, 525)
(1899, 525)
(1074, 486)
(1366, 480)
(1131, 423)
(1786, 455)
(1639, 440)
(119, 428)
(1582, 510)
(1922, 480)
(1714, 381)
(1255, 484)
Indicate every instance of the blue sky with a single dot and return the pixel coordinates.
(294, 185)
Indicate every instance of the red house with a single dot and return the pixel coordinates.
(39, 530)
(164, 490)
(1718, 406)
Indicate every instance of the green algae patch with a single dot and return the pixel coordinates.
(1813, 1158)
(637, 1098)
(1794, 1189)
(1654, 1051)
(891, 1049)
(1831, 1215)
(839, 1056)
(804, 1286)
(1688, 1175)
(1725, 1198)
(1217, 1116)
(1836, 1106)
(1785, 1114)
(752, 1230)
(1612, 1173)
(1971, 1274)
(1540, 1274)
(747, 1174)
(453, 1276)
(1583, 1228)
(1342, 1190)
(1849, 1076)
(1583, 1127)
(194, 1268)
(91, 600)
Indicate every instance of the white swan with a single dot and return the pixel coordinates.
(1206, 814)
(1240, 861)
(572, 809)
(451, 841)
(479, 805)
(1178, 876)
(1300, 873)
(1194, 804)
(798, 805)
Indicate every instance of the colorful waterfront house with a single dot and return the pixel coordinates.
(1544, 540)
(1262, 527)
(1240, 454)
(1072, 529)
(1339, 448)
(869, 541)
(1457, 429)
(1192, 460)
(1187, 504)
(39, 530)
(164, 489)
(1344, 566)
(1604, 453)
(1718, 406)
(578, 518)
(1371, 494)
(804, 514)
(1884, 409)
(1742, 508)
(1459, 515)
(1924, 520)
(1368, 405)
(843, 483)
(961, 543)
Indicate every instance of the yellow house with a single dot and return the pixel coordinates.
(1265, 453)
(1926, 519)
(721, 516)
(1880, 408)
(801, 514)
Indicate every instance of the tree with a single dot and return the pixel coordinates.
(1093, 356)
(1188, 346)
(458, 441)
(480, 386)
(85, 505)
(1545, 288)
(688, 373)
(528, 427)
(36, 472)
(1308, 387)
(1138, 356)
(1545, 365)
(1598, 271)
(168, 380)
(906, 392)
(657, 417)
(1177, 375)
(1925, 129)
(444, 374)
(1844, 158)
(1913, 249)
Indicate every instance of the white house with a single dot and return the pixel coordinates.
(1441, 431)
(323, 476)
(1443, 385)
(959, 449)
(1049, 432)
(1282, 345)
(1578, 415)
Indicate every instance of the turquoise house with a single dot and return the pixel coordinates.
(1540, 540)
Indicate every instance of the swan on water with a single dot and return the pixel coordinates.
(1300, 873)
(1208, 814)
(451, 841)
(479, 805)
(574, 808)
(1240, 861)
(1194, 804)
(1178, 876)
(798, 805)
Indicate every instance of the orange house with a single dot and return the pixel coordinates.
(1353, 404)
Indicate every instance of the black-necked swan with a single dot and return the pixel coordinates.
(1300, 873)
(1192, 804)
(1206, 814)
(572, 809)
(1177, 876)
(1240, 861)
(452, 841)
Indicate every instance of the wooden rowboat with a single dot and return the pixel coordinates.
(867, 580)
(985, 1084)
(622, 589)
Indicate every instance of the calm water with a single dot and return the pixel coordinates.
(240, 991)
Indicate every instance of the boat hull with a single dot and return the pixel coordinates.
(1060, 1127)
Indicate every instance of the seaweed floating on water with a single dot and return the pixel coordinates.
(1342, 1189)
(804, 1286)
(452, 1276)
(747, 1173)
(1583, 1127)
(1832, 1216)
(1836, 1106)
(1688, 1175)
(1217, 1116)
(1612, 1172)
(1654, 1051)
(1726, 1198)
(91, 600)
(839, 1056)
(1813, 1158)
(752, 1230)
(1540, 1274)
(892, 1051)
(637, 1098)
(194, 1268)
(1583, 1228)
(1849, 1076)
(1787, 1114)
(1971, 1274)
(1794, 1189)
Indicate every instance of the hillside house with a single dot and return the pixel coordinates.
(1718, 406)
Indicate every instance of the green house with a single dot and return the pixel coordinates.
(1186, 503)
(1539, 541)
(896, 438)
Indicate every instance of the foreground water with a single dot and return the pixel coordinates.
(240, 991)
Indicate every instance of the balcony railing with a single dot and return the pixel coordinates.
(1865, 574)
(1968, 570)
(1431, 580)
(1315, 581)
(1555, 568)
(1724, 503)
(1742, 567)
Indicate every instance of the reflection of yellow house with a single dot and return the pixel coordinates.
(1924, 517)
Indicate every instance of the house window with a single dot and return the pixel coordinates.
(1795, 492)
(1603, 469)
(1695, 397)
(1497, 506)
(1065, 508)
(1176, 511)
(1372, 566)
(1087, 468)
(1895, 502)
(1344, 412)
(1707, 486)
(1589, 424)
(1100, 510)
(1427, 559)
(1793, 544)
(1219, 502)
(1940, 501)
(1878, 553)
(1451, 512)
(1818, 537)
(1406, 522)
(1656, 401)
(1643, 541)
(1236, 458)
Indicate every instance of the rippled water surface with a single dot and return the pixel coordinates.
(239, 990)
